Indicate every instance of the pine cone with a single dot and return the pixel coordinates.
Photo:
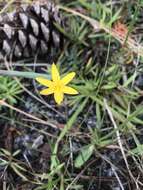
(30, 30)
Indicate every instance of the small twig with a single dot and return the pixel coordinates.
(119, 141)
(114, 168)
(79, 175)
(3, 103)
(6, 6)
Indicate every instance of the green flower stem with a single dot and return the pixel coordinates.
(70, 123)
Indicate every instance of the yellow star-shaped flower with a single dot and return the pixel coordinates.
(57, 86)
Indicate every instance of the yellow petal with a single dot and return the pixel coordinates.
(44, 81)
(47, 91)
(65, 80)
(69, 90)
(58, 97)
(55, 73)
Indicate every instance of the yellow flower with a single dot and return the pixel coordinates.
(57, 86)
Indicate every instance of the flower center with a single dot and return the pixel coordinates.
(58, 86)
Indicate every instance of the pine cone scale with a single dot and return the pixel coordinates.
(22, 38)
(45, 31)
(30, 30)
(24, 20)
(34, 26)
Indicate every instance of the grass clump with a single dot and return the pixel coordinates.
(9, 90)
